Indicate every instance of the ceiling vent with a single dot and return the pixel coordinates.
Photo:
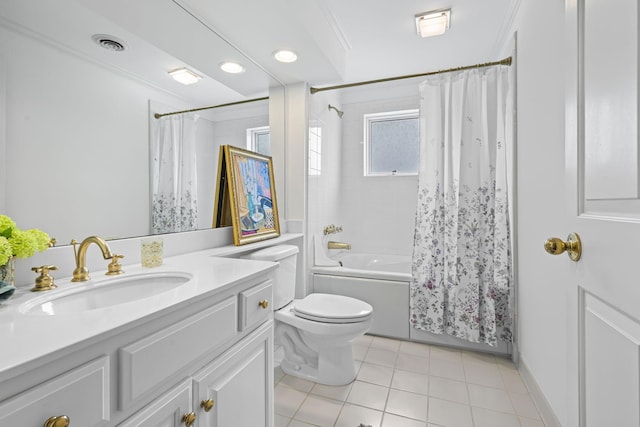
(108, 42)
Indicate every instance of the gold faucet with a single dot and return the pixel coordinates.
(81, 272)
(338, 245)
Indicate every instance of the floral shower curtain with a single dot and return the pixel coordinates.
(462, 281)
(173, 170)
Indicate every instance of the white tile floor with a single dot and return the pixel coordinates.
(404, 384)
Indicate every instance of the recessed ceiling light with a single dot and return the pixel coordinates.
(285, 55)
(433, 23)
(185, 76)
(232, 67)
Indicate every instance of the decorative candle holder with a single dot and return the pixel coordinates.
(151, 251)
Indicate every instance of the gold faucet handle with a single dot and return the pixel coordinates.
(114, 266)
(44, 282)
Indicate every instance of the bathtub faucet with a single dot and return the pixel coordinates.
(338, 245)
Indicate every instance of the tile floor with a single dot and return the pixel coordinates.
(404, 384)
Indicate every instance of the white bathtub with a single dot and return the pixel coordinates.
(375, 266)
(383, 281)
(380, 280)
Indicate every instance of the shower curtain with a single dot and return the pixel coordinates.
(461, 264)
(174, 184)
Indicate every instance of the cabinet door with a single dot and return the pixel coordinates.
(81, 394)
(166, 411)
(239, 383)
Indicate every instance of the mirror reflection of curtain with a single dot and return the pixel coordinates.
(174, 185)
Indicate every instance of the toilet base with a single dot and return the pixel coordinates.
(336, 367)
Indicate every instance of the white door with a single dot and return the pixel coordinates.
(603, 203)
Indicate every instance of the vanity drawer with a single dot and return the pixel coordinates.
(81, 394)
(256, 304)
(148, 362)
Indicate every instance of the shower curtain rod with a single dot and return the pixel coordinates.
(505, 61)
(158, 115)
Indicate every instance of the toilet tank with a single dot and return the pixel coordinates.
(284, 277)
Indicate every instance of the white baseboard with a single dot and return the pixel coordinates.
(546, 412)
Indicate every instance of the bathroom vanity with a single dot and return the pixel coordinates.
(197, 355)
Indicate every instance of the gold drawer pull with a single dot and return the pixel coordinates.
(59, 421)
(188, 419)
(207, 405)
(264, 303)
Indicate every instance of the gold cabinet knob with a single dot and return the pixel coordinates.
(573, 246)
(59, 421)
(188, 419)
(207, 405)
(264, 303)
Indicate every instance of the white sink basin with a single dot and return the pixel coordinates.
(106, 293)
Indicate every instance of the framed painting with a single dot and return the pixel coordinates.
(246, 193)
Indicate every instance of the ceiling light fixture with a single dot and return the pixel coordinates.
(232, 67)
(285, 55)
(185, 76)
(433, 23)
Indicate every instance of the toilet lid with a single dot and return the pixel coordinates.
(330, 308)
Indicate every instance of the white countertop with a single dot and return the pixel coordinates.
(29, 337)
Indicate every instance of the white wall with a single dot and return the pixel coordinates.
(324, 190)
(3, 135)
(378, 212)
(296, 150)
(540, 187)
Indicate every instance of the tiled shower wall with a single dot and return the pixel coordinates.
(378, 212)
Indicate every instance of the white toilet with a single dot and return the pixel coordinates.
(315, 332)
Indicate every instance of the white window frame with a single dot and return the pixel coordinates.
(252, 136)
(370, 118)
(315, 131)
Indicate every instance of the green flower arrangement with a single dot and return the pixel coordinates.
(20, 243)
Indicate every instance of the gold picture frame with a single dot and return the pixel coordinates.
(246, 195)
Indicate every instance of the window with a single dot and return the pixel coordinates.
(258, 140)
(391, 143)
(315, 150)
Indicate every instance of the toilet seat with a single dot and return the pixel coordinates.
(328, 308)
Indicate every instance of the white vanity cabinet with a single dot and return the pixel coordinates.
(205, 361)
(234, 389)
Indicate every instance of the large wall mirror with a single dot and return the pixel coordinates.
(77, 114)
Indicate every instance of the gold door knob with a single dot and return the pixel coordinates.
(59, 421)
(264, 303)
(573, 246)
(188, 419)
(207, 405)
